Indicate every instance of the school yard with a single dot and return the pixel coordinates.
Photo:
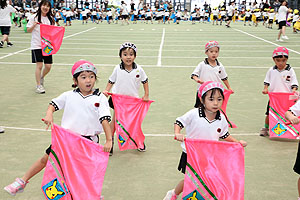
(169, 53)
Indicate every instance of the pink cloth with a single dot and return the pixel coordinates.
(129, 113)
(75, 168)
(279, 104)
(51, 38)
(215, 170)
(227, 94)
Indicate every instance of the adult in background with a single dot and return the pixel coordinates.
(276, 5)
(282, 13)
(5, 23)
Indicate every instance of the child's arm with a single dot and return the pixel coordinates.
(146, 89)
(291, 117)
(107, 89)
(265, 90)
(232, 139)
(197, 79)
(226, 82)
(178, 136)
(108, 143)
(48, 120)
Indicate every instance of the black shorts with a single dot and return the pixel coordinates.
(281, 24)
(270, 21)
(48, 150)
(124, 16)
(297, 163)
(268, 108)
(83, 17)
(178, 18)
(5, 30)
(110, 103)
(37, 56)
(229, 18)
(68, 19)
(110, 18)
(215, 17)
(148, 18)
(57, 19)
(247, 19)
(182, 162)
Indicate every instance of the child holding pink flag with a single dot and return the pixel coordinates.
(43, 16)
(280, 78)
(86, 112)
(205, 122)
(293, 116)
(126, 79)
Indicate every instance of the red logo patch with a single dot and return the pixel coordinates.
(219, 130)
(97, 105)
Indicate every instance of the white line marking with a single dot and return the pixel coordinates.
(267, 41)
(17, 52)
(148, 135)
(160, 48)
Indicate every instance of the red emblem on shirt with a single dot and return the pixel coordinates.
(219, 130)
(137, 76)
(97, 105)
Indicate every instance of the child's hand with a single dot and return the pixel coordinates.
(295, 120)
(243, 143)
(145, 98)
(231, 90)
(107, 146)
(179, 137)
(48, 120)
(105, 92)
(265, 91)
(199, 81)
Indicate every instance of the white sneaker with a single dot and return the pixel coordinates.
(2, 130)
(264, 132)
(284, 37)
(40, 89)
(171, 195)
(279, 40)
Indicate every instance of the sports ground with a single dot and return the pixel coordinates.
(168, 53)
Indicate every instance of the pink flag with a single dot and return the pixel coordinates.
(214, 170)
(279, 104)
(75, 168)
(51, 38)
(227, 94)
(129, 113)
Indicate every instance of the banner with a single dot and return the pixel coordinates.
(279, 104)
(51, 38)
(227, 94)
(129, 114)
(215, 170)
(75, 168)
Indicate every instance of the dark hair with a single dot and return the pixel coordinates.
(49, 14)
(280, 56)
(3, 4)
(75, 76)
(213, 91)
(120, 53)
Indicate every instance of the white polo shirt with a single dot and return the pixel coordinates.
(230, 10)
(296, 108)
(206, 72)
(80, 113)
(36, 34)
(282, 11)
(127, 82)
(5, 15)
(281, 81)
(197, 126)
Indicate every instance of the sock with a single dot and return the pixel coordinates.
(267, 126)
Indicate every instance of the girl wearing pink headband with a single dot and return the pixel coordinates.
(86, 112)
(205, 122)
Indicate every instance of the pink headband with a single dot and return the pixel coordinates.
(211, 44)
(83, 65)
(208, 86)
(280, 51)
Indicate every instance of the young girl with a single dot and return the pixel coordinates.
(126, 79)
(292, 115)
(80, 116)
(210, 69)
(205, 122)
(43, 16)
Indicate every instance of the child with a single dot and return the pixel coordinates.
(282, 12)
(230, 13)
(205, 122)
(43, 16)
(295, 19)
(271, 18)
(292, 115)
(80, 116)
(210, 69)
(280, 78)
(57, 17)
(126, 79)
(215, 13)
(247, 17)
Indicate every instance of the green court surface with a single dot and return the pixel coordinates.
(169, 53)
